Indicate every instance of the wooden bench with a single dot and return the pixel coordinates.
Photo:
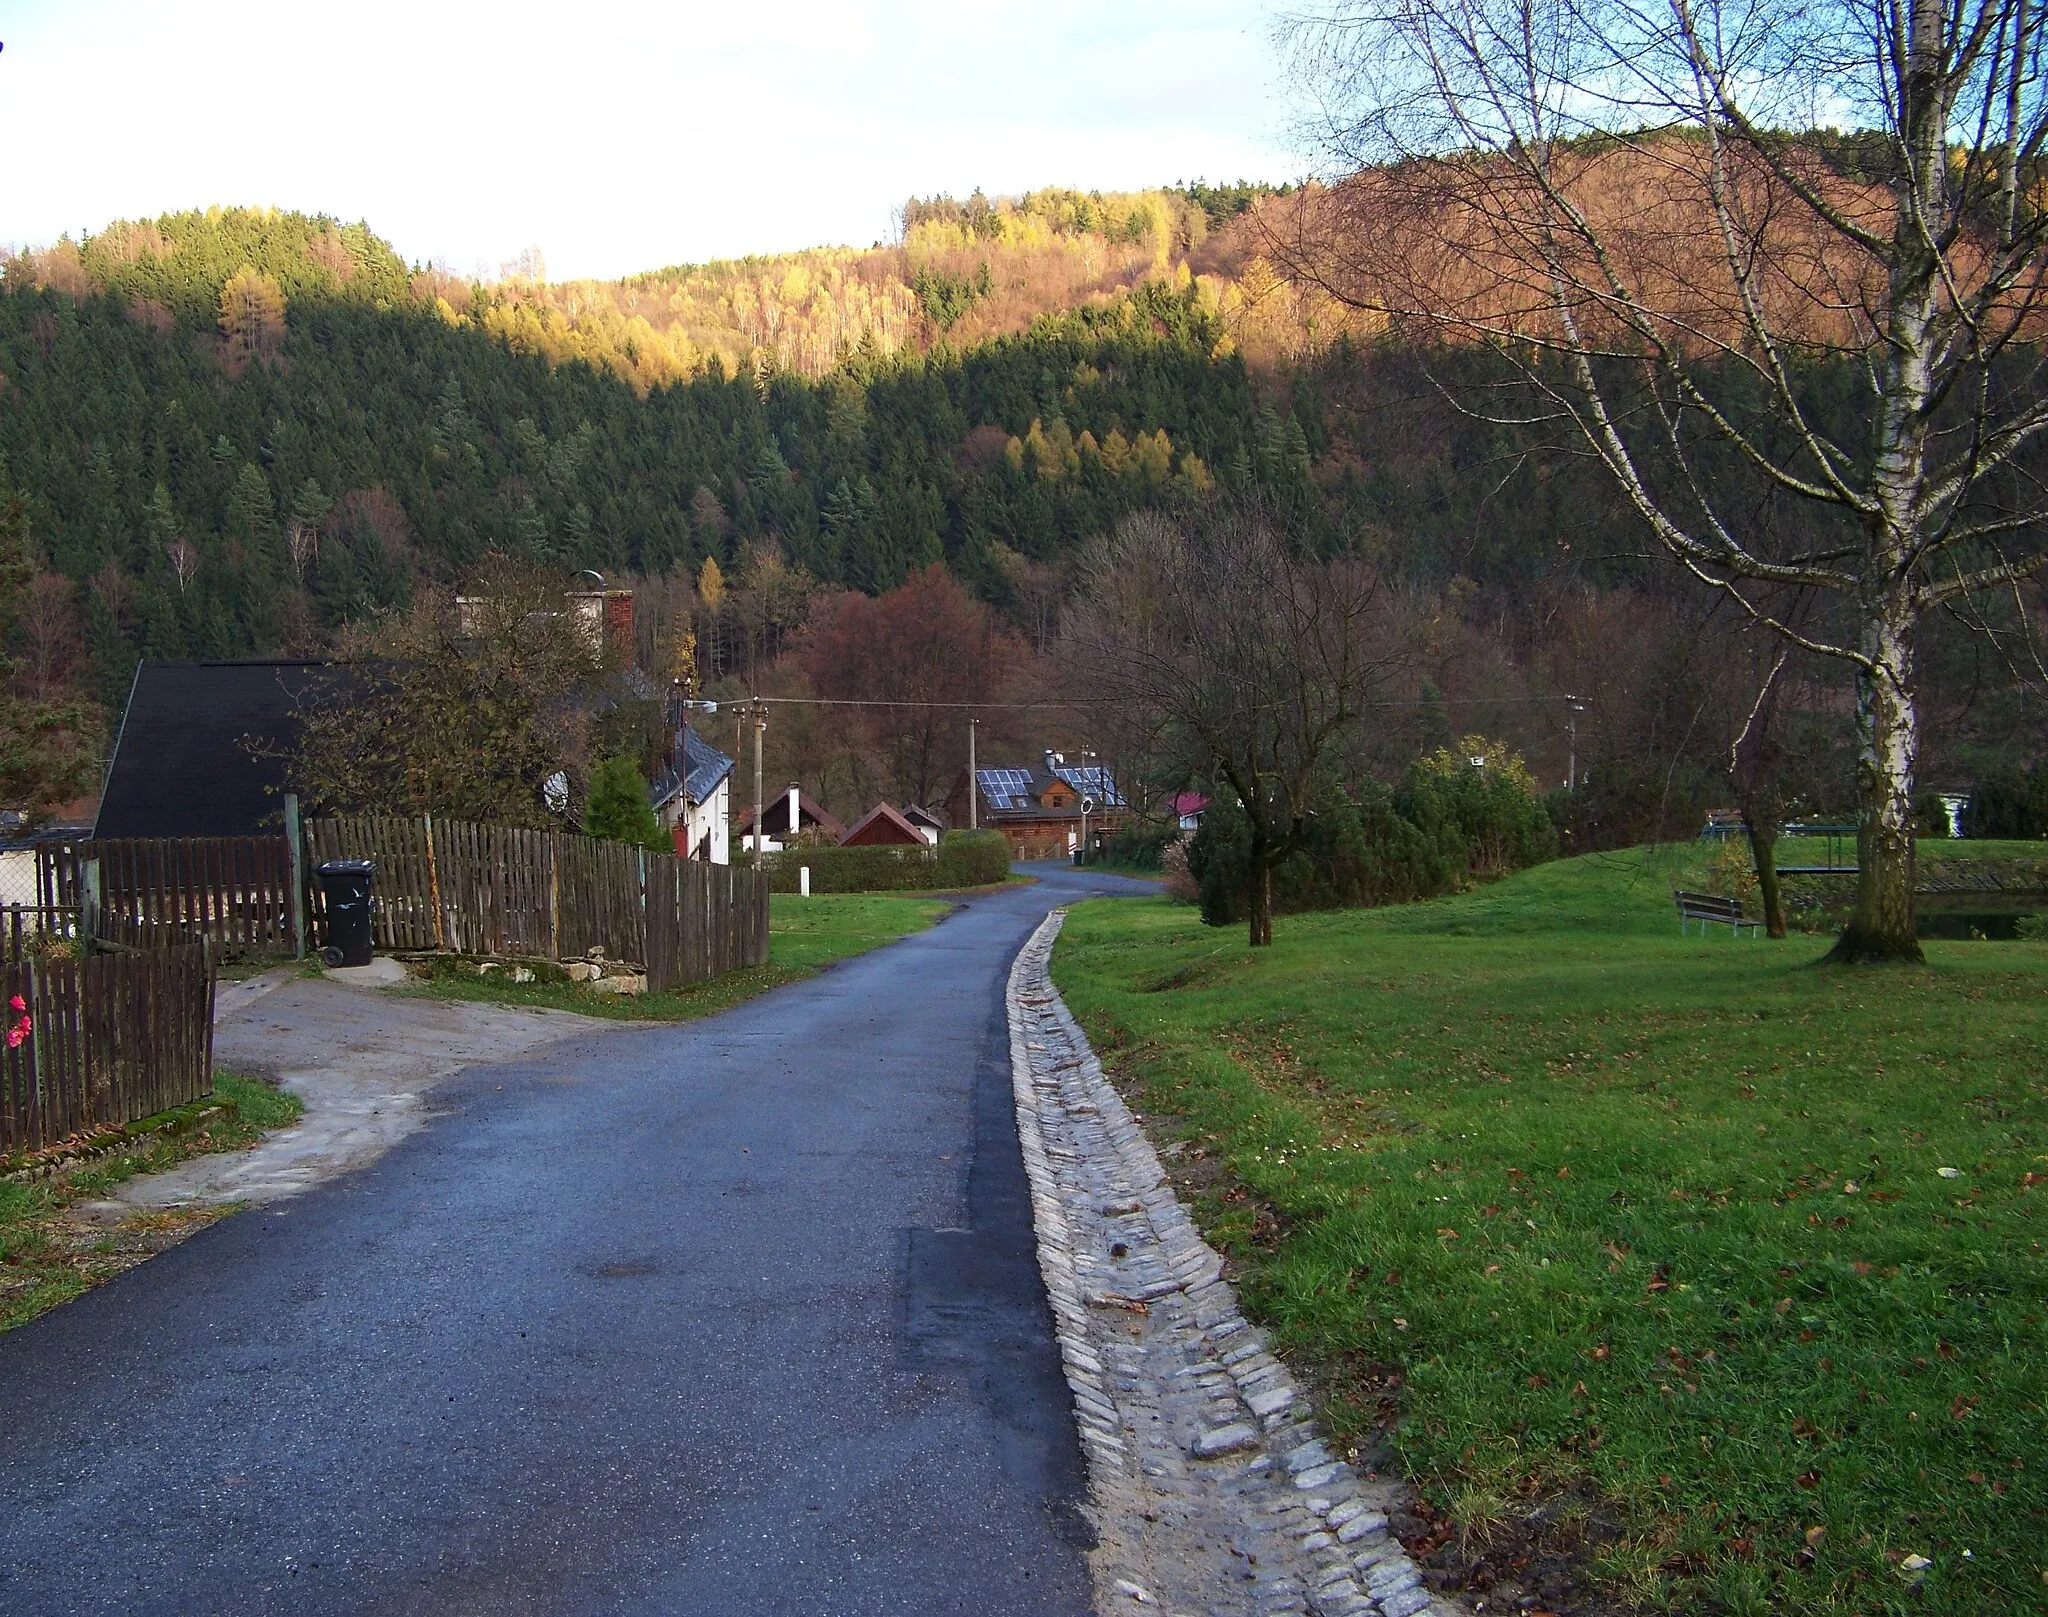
(1712, 907)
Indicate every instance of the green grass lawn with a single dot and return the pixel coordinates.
(48, 1256)
(1738, 1255)
(804, 934)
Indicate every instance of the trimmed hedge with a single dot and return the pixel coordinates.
(962, 859)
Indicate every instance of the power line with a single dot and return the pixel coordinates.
(1103, 701)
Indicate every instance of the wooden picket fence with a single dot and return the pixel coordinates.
(105, 1039)
(236, 892)
(506, 890)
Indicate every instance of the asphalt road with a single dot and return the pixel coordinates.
(736, 1317)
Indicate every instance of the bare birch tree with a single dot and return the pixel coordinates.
(1606, 193)
(1240, 662)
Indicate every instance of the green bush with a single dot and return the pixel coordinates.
(1486, 820)
(1137, 847)
(619, 810)
(1357, 852)
(1930, 816)
(962, 859)
(2008, 802)
(1449, 824)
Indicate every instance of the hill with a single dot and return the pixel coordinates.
(237, 430)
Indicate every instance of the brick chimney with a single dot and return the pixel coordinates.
(618, 618)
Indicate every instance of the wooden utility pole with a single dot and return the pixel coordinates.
(973, 788)
(760, 729)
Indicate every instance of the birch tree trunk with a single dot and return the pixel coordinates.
(1887, 746)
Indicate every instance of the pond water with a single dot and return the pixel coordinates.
(1995, 918)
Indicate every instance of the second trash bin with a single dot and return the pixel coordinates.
(346, 885)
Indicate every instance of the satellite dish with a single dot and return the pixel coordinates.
(1087, 805)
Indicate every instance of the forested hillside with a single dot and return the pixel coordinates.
(237, 432)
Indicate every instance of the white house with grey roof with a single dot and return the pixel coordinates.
(692, 798)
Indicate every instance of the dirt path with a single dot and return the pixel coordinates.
(361, 1059)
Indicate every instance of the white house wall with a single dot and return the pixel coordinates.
(711, 819)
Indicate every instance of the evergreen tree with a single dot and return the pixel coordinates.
(251, 512)
(619, 811)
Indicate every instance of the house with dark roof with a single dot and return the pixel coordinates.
(692, 798)
(1040, 810)
(788, 817)
(202, 746)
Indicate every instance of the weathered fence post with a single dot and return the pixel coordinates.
(553, 845)
(295, 855)
(434, 884)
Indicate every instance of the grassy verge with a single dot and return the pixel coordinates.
(49, 1253)
(804, 934)
(1732, 1265)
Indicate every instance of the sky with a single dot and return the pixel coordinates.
(618, 135)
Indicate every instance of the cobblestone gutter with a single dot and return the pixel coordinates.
(1210, 1490)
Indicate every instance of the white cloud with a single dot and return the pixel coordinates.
(620, 134)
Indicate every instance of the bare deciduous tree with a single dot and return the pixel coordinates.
(301, 546)
(1605, 193)
(184, 559)
(1245, 663)
(50, 636)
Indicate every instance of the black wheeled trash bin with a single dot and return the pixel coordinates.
(346, 885)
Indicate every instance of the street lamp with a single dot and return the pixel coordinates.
(1573, 708)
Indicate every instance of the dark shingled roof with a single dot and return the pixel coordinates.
(188, 761)
(696, 774)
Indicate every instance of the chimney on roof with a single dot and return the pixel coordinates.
(1053, 759)
(795, 808)
(618, 617)
(606, 616)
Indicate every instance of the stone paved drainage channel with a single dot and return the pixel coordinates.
(1211, 1491)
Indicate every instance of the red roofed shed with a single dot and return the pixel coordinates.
(883, 827)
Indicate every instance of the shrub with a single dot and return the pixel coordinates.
(1137, 847)
(619, 810)
(1450, 823)
(2009, 802)
(962, 859)
(1356, 853)
(1486, 819)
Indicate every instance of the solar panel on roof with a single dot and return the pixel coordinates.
(1006, 788)
(1092, 780)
